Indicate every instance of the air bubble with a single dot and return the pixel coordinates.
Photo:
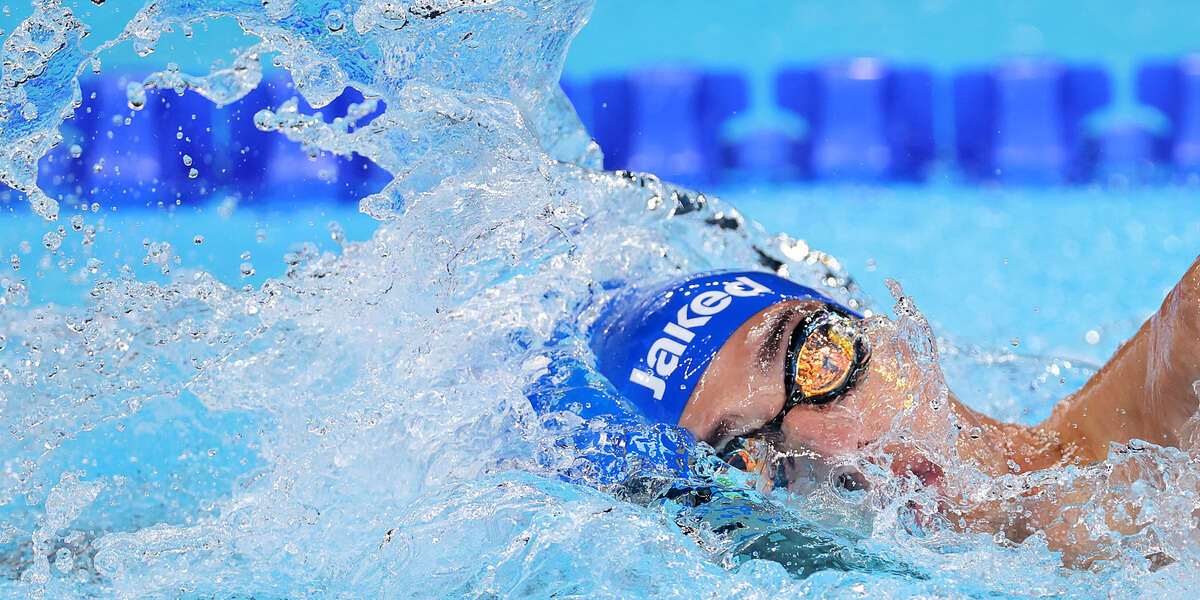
(246, 269)
(94, 264)
(187, 160)
(260, 235)
(15, 261)
(199, 239)
(1092, 336)
(76, 222)
(76, 151)
(193, 173)
(335, 21)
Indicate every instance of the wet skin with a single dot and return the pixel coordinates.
(743, 388)
(1144, 392)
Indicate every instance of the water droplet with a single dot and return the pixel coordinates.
(99, 166)
(247, 269)
(187, 160)
(193, 173)
(98, 2)
(245, 255)
(335, 20)
(179, 135)
(1015, 342)
(337, 233)
(45, 206)
(94, 264)
(263, 120)
(15, 261)
(95, 207)
(76, 151)
(52, 240)
(199, 239)
(1092, 336)
(135, 93)
(29, 111)
(260, 235)
(76, 222)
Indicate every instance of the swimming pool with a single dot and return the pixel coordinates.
(269, 406)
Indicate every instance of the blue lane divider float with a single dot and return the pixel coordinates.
(1022, 121)
(664, 121)
(668, 107)
(867, 121)
(1173, 87)
(183, 145)
(1019, 121)
(113, 155)
(1129, 152)
(765, 154)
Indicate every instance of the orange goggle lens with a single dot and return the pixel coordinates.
(824, 362)
(823, 357)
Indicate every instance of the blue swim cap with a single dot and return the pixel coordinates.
(654, 344)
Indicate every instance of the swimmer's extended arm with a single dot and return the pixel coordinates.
(1145, 391)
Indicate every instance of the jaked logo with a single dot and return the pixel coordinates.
(664, 354)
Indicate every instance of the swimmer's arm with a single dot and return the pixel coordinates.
(1082, 516)
(1145, 390)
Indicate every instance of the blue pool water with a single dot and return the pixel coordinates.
(219, 400)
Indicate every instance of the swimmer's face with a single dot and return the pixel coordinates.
(743, 389)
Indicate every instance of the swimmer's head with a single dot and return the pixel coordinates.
(751, 355)
(656, 344)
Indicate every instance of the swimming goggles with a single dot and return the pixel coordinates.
(826, 355)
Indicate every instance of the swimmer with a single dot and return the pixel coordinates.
(747, 360)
